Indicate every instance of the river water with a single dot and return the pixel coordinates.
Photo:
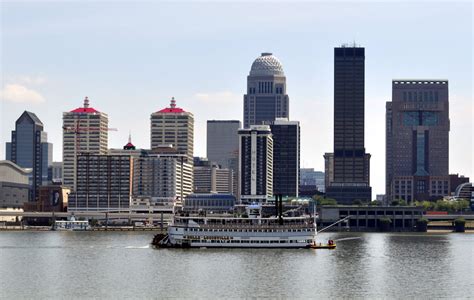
(123, 265)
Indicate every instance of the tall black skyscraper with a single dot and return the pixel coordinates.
(266, 97)
(351, 164)
(29, 149)
(286, 156)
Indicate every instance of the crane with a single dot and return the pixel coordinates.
(77, 129)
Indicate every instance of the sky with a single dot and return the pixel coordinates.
(130, 58)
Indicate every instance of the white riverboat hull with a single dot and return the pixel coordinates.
(278, 237)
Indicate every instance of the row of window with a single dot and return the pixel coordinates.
(251, 241)
(249, 230)
(420, 96)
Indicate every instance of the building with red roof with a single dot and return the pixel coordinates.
(173, 125)
(85, 130)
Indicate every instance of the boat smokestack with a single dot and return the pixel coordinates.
(280, 210)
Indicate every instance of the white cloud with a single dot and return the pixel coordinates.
(224, 97)
(26, 79)
(32, 80)
(17, 93)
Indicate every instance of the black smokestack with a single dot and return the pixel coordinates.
(280, 210)
(276, 206)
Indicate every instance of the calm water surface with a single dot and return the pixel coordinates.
(123, 265)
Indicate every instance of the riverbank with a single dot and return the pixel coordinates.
(110, 228)
(159, 230)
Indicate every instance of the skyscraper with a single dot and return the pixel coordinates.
(223, 142)
(255, 163)
(417, 140)
(85, 130)
(223, 146)
(286, 156)
(266, 97)
(30, 149)
(351, 163)
(173, 125)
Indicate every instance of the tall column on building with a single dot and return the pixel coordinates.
(266, 97)
(173, 125)
(255, 164)
(286, 157)
(351, 163)
(418, 140)
(85, 130)
(30, 149)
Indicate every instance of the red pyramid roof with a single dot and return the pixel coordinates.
(172, 108)
(85, 108)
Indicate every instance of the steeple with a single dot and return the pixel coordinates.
(129, 145)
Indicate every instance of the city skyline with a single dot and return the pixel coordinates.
(87, 56)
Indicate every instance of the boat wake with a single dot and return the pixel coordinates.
(138, 247)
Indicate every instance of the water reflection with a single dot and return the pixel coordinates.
(110, 265)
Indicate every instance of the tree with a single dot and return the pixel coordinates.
(422, 224)
(402, 203)
(375, 203)
(93, 222)
(384, 223)
(459, 224)
(322, 201)
(463, 204)
(357, 202)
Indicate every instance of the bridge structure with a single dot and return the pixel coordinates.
(449, 217)
(160, 216)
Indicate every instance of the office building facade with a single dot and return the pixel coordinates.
(56, 172)
(162, 175)
(266, 98)
(310, 177)
(29, 148)
(103, 183)
(210, 177)
(173, 125)
(255, 164)
(350, 162)
(85, 130)
(417, 140)
(223, 142)
(286, 157)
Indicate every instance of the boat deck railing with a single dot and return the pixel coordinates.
(249, 226)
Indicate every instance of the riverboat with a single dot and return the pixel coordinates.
(251, 231)
(71, 225)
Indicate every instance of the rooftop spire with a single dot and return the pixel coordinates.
(173, 103)
(129, 145)
(86, 102)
